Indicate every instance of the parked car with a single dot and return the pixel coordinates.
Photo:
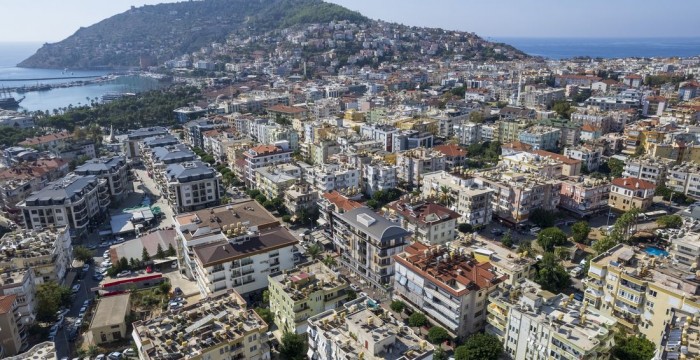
(177, 291)
(86, 267)
(97, 277)
(149, 269)
(73, 334)
(129, 352)
(355, 288)
(535, 230)
(576, 272)
(115, 356)
(75, 288)
(59, 321)
(100, 357)
(124, 273)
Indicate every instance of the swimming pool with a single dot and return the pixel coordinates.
(654, 251)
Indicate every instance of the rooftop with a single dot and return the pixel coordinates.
(309, 278)
(633, 184)
(225, 218)
(70, 188)
(224, 251)
(371, 223)
(46, 138)
(681, 336)
(359, 332)
(143, 133)
(197, 328)
(340, 201)
(103, 165)
(7, 303)
(423, 213)
(189, 171)
(498, 256)
(30, 244)
(453, 270)
(111, 310)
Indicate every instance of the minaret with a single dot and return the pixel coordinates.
(520, 83)
(111, 134)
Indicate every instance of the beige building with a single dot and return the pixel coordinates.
(299, 197)
(13, 336)
(109, 323)
(629, 193)
(219, 327)
(641, 291)
(584, 196)
(356, 332)
(429, 222)
(303, 292)
(463, 195)
(48, 252)
(449, 287)
(536, 324)
(510, 266)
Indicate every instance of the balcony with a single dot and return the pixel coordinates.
(496, 312)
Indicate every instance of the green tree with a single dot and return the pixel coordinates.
(352, 295)
(123, 264)
(604, 244)
(438, 335)
(374, 204)
(286, 218)
(144, 255)
(293, 346)
(314, 251)
(265, 314)
(261, 199)
(160, 253)
(633, 348)
(253, 193)
(330, 261)
(165, 287)
(507, 239)
(480, 346)
(670, 221)
(92, 351)
(397, 306)
(266, 297)
(465, 228)
(551, 275)
(626, 222)
(563, 109)
(417, 319)
(562, 253)
(50, 297)
(542, 218)
(616, 167)
(524, 246)
(171, 250)
(439, 354)
(580, 231)
(82, 253)
(551, 237)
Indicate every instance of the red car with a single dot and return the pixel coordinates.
(149, 269)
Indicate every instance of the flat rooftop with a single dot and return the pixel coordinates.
(224, 251)
(111, 310)
(313, 276)
(499, 256)
(219, 219)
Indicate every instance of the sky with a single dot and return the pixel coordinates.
(53, 20)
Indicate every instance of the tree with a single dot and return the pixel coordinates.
(171, 250)
(286, 218)
(417, 319)
(551, 275)
(465, 228)
(670, 221)
(616, 167)
(524, 246)
(145, 257)
(397, 306)
(542, 218)
(253, 193)
(82, 253)
(261, 199)
(624, 224)
(165, 287)
(266, 297)
(562, 253)
(50, 297)
(480, 346)
(633, 348)
(265, 314)
(437, 335)
(439, 354)
(351, 295)
(563, 109)
(330, 261)
(293, 346)
(123, 264)
(374, 204)
(604, 244)
(551, 237)
(580, 231)
(507, 239)
(160, 254)
(314, 251)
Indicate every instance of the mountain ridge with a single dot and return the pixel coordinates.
(165, 31)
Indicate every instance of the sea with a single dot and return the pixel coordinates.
(564, 48)
(12, 53)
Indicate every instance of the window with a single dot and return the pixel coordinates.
(652, 293)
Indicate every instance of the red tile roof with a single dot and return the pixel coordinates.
(517, 145)
(46, 138)
(633, 184)
(286, 109)
(421, 212)
(557, 157)
(450, 150)
(6, 302)
(341, 201)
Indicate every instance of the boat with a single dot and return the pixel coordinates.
(8, 102)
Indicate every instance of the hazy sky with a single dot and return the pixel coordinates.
(53, 20)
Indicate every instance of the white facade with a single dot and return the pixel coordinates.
(329, 177)
(380, 177)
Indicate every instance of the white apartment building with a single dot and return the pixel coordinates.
(380, 177)
(650, 169)
(430, 223)
(584, 196)
(590, 156)
(489, 132)
(450, 288)
(264, 155)
(536, 324)
(132, 147)
(471, 200)
(76, 201)
(329, 177)
(193, 185)
(468, 133)
(413, 164)
(22, 284)
(48, 252)
(382, 133)
(684, 178)
(113, 169)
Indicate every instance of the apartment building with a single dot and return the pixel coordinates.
(114, 170)
(516, 195)
(329, 177)
(274, 180)
(536, 324)
(219, 327)
(382, 133)
(602, 121)
(76, 201)
(507, 131)
(449, 287)
(541, 98)
(48, 252)
(591, 156)
(640, 291)
(648, 169)
(192, 185)
(356, 331)
(411, 139)
(300, 197)
(194, 130)
(628, 193)
(508, 265)
(569, 131)
(21, 283)
(413, 164)
(256, 102)
(13, 336)
(379, 176)
(541, 137)
(134, 138)
(545, 164)
(330, 206)
(303, 292)
(366, 243)
(685, 250)
(467, 133)
(455, 156)
(264, 155)
(684, 178)
(584, 196)
(50, 142)
(463, 195)
(429, 222)
(680, 337)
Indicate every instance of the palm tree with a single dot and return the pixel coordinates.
(314, 251)
(330, 261)
(445, 196)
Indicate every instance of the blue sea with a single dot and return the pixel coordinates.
(563, 48)
(12, 53)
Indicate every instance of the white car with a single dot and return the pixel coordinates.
(129, 352)
(124, 273)
(75, 288)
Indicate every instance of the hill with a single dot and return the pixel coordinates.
(166, 31)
